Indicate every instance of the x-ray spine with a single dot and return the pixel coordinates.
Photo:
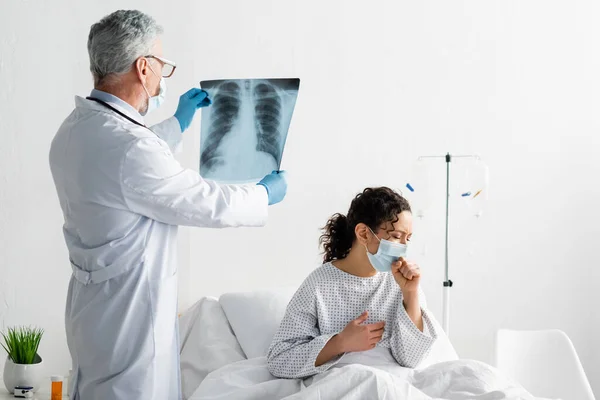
(243, 133)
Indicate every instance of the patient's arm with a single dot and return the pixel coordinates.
(413, 334)
(334, 348)
(298, 341)
(413, 309)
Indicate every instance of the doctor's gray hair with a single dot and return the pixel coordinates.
(118, 40)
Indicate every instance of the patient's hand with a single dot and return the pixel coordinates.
(354, 337)
(407, 275)
(359, 337)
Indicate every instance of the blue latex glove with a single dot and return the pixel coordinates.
(189, 102)
(276, 185)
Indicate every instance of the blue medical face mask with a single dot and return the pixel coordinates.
(387, 253)
(156, 101)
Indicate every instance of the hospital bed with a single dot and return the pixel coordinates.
(224, 342)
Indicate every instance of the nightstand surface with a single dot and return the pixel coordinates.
(4, 395)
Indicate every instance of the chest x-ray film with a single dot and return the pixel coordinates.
(243, 132)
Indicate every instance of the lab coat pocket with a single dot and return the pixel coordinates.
(163, 295)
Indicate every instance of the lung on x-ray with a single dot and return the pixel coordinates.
(243, 132)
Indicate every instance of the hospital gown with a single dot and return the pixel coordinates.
(326, 302)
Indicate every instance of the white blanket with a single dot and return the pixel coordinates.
(460, 380)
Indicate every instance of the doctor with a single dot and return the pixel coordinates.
(123, 194)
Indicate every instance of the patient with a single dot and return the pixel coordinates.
(366, 295)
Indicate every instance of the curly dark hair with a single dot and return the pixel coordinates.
(372, 207)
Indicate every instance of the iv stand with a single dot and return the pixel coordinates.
(447, 282)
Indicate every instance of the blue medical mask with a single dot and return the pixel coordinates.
(156, 101)
(387, 253)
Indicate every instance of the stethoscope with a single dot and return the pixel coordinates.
(105, 104)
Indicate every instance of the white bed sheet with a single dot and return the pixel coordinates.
(214, 364)
(450, 380)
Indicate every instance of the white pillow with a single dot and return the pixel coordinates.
(442, 349)
(207, 343)
(255, 317)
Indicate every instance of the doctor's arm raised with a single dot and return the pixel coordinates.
(155, 185)
(171, 129)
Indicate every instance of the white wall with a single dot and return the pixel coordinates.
(381, 84)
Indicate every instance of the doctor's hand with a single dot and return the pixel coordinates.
(276, 185)
(359, 337)
(189, 102)
(407, 275)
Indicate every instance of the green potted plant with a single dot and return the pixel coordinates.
(23, 364)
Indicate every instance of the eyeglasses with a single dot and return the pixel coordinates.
(168, 67)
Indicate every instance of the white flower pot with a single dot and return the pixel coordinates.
(23, 374)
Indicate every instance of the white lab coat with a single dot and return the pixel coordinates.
(123, 194)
